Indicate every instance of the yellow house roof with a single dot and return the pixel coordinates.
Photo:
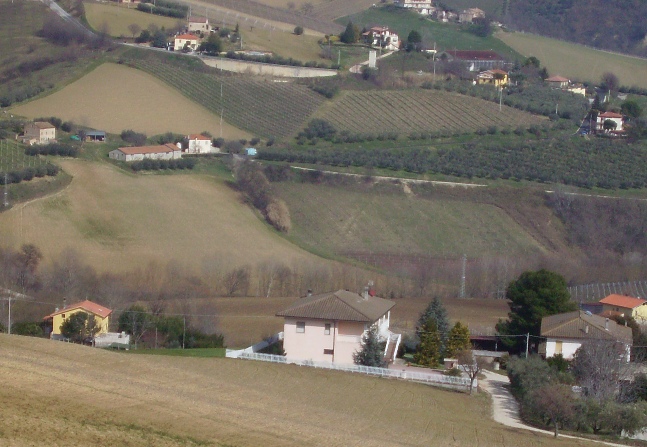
(86, 305)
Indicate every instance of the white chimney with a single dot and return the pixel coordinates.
(365, 294)
(606, 324)
(586, 329)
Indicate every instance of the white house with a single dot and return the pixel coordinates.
(612, 116)
(188, 40)
(163, 152)
(329, 327)
(382, 36)
(39, 132)
(421, 6)
(199, 144)
(468, 15)
(199, 25)
(566, 332)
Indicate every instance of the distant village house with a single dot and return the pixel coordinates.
(329, 327)
(188, 41)
(616, 119)
(39, 132)
(468, 15)
(625, 306)
(60, 316)
(162, 152)
(421, 6)
(199, 25)
(383, 37)
(558, 82)
(198, 144)
(494, 77)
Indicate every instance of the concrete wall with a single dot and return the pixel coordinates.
(258, 68)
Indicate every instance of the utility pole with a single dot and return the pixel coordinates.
(9, 325)
(184, 334)
(527, 343)
(462, 293)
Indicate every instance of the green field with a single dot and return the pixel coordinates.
(576, 61)
(385, 219)
(117, 18)
(446, 36)
(258, 105)
(418, 110)
(59, 391)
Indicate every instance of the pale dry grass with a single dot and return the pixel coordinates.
(576, 61)
(117, 18)
(119, 221)
(114, 97)
(60, 394)
(284, 43)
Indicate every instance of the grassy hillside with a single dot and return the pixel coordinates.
(257, 105)
(384, 219)
(117, 18)
(446, 36)
(118, 222)
(576, 61)
(417, 111)
(54, 391)
(490, 7)
(103, 99)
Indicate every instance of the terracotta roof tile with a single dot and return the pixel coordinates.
(627, 302)
(186, 37)
(196, 136)
(89, 306)
(148, 149)
(341, 305)
(610, 115)
(557, 79)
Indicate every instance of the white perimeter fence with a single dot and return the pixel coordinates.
(458, 383)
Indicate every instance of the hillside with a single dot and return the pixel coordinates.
(54, 391)
(118, 221)
(157, 109)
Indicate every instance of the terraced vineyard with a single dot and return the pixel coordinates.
(13, 158)
(259, 106)
(420, 110)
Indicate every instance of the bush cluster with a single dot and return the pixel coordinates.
(149, 164)
(60, 149)
(164, 8)
(28, 174)
(134, 138)
(322, 129)
(20, 94)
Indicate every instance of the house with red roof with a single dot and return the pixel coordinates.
(382, 36)
(625, 305)
(328, 327)
(186, 41)
(558, 82)
(60, 316)
(614, 118)
(161, 152)
(199, 25)
(198, 144)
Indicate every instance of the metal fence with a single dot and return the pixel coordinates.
(460, 383)
(597, 291)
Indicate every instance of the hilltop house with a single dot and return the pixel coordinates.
(329, 327)
(199, 25)
(566, 332)
(495, 77)
(38, 132)
(421, 6)
(475, 60)
(468, 15)
(198, 144)
(626, 306)
(183, 41)
(163, 152)
(558, 82)
(101, 314)
(616, 118)
(382, 36)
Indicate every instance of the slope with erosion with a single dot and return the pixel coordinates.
(119, 222)
(55, 391)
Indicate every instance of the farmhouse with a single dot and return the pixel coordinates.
(468, 15)
(615, 118)
(475, 60)
(557, 82)
(39, 132)
(382, 36)
(199, 25)
(566, 332)
(328, 327)
(163, 152)
(183, 41)
(494, 77)
(198, 144)
(101, 315)
(421, 6)
(626, 306)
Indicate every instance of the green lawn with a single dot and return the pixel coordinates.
(446, 36)
(204, 352)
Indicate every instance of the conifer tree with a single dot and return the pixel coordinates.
(458, 340)
(372, 352)
(436, 311)
(429, 349)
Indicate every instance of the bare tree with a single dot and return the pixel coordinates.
(599, 366)
(555, 402)
(134, 29)
(470, 365)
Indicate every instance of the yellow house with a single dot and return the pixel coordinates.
(101, 314)
(495, 77)
(627, 306)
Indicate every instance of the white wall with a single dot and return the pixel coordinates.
(568, 347)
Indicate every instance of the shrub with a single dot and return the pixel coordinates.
(278, 215)
(298, 30)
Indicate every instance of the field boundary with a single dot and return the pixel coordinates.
(456, 383)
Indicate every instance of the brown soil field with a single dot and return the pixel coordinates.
(117, 18)
(62, 394)
(119, 221)
(114, 98)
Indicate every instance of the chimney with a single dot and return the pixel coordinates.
(309, 292)
(586, 329)
(64, 303)
(365, 294)
(606, 324)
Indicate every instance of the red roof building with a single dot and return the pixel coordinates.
(626, 305)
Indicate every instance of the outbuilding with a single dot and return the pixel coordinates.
(163, 152)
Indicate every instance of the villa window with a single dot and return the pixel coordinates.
(301, 326)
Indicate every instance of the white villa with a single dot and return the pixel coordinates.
(199, 144)
(382, 36)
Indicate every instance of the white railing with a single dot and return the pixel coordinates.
(431, 379)
(397, 345)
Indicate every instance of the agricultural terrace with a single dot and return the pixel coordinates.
(577, 61)
(171, 401)
(117, 18)
(379, 218)
(446, 36)
(100, 216)
(98, 101)
(258, 105)
(13, 158)
(418, 110)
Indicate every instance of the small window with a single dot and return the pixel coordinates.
(329, 351)
(301, 326)
(63, 315)
(327, 329)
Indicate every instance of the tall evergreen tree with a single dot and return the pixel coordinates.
(372, 351)
(350, 34)
(458, 340)
(429, 350)
(437, 312)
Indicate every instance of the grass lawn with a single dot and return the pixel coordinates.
(576, 61)
(117, 18)
(203, 352)
(446, 36)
